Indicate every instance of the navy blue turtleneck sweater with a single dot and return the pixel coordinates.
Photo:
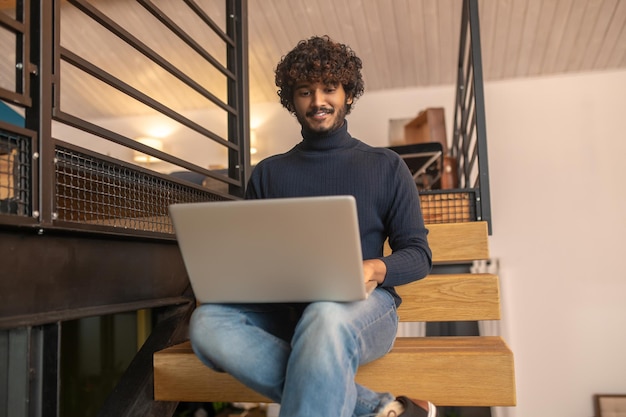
(387, 198)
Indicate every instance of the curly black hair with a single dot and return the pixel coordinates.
(319, 59)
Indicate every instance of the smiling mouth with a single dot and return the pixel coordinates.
(320, 112)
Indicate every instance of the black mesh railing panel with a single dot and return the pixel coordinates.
(15, 174)
(92, 191)
(448, 206)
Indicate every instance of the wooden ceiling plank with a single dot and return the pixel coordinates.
(501, 36)
(529, 33)
(614, 36)
(514, 38)
(419, 56)
(487, 14)
(542, 34)
(570, 36)
(375, 62)
(348, 22)
(598, 35)
(393, 29)
(345, 20)
(257, 70)
(586, 35)
(405, 43)
(618, 56)
(260, 53)
(336, 26)
(431, 31)
(450, 17)
(557, 34)
(361, 27)
(288, 25)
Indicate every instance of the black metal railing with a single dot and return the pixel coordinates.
(16, 171)
(85, 232)
(469, 144)
(16, 36)
(102, 193)
(57, 65)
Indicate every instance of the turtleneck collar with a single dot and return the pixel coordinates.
(337, 139)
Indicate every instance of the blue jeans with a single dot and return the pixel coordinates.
(302, 356)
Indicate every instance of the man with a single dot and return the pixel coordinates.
(305, 356)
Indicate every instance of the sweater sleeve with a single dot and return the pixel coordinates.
(411, 257)
(253, 187)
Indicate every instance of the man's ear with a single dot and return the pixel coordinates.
(349, 100)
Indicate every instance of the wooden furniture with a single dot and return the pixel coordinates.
(428, 126)
(450, 371)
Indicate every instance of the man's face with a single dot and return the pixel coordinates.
(320, 108)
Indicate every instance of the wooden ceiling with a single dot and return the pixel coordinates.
(403, 44)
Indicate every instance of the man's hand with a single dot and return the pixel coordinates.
(374, 270)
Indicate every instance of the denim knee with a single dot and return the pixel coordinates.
(326, 321)
(202, 335)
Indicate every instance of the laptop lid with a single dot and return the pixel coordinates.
(272, 250)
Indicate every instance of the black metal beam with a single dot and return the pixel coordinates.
(238, 93)
(481, 124)
(469, 143)
(48, 277)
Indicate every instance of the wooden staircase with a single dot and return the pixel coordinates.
(449, 371)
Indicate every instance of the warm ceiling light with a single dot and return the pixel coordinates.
(253, 148)
(151, 142)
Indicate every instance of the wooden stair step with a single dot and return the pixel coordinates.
(451, 297)
(454, 371)
(180, 376)
(451, 371)
(457, 242)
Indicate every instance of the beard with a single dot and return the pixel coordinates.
(338, 117)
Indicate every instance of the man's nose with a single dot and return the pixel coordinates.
(319, 98)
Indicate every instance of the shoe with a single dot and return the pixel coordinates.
(405, 407)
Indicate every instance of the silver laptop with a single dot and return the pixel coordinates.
(272, 250)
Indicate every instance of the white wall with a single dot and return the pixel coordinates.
(556, 151)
